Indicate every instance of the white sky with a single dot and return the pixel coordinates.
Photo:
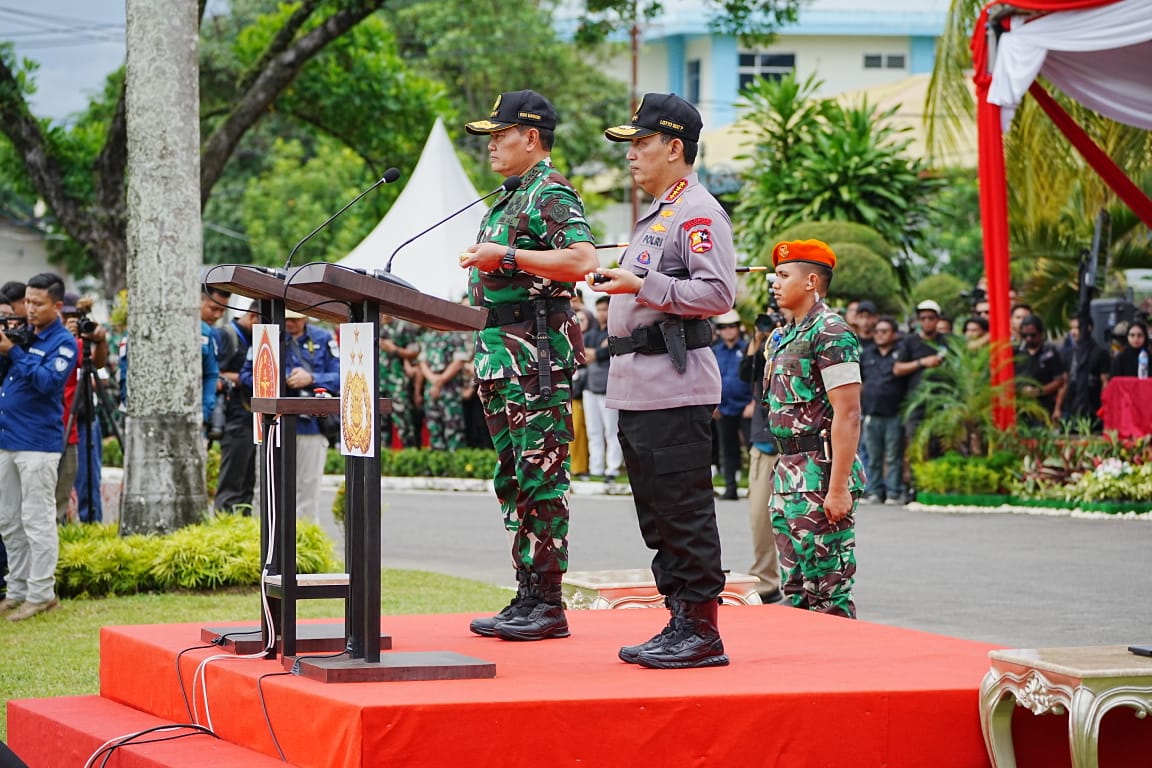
(76, 42)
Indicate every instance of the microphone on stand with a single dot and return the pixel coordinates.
(389, 176)
(510, 184)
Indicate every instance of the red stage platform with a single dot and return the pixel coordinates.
(803, 690)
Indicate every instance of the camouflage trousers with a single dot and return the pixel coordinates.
(402, 411)
(818, 559)
(531, 436)
(444, 417)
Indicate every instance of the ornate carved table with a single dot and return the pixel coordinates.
(1084, 682)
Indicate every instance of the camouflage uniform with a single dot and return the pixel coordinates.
(444, 415)
(530, 432)
(395, 383)
(817, 558)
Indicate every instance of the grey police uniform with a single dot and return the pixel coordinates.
(683, 248)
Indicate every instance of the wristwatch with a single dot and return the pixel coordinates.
(509, 260)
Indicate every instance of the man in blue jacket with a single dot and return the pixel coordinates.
(32, 377)
(311, 362)
(733, 426)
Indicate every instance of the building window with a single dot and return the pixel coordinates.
(693, 81)
(771, 65)
(885, 61)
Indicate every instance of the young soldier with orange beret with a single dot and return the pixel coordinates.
(812, 392)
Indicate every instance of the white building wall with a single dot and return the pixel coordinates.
(22, 254)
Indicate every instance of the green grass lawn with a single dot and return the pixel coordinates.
(57, 654)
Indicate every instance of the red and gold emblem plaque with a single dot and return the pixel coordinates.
(265, 368)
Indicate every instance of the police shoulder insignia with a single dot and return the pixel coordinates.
(668, 213)
(700, 241)
(697, 222)
(66, 351)
(333, 348)
(62, 364)
(658, 228)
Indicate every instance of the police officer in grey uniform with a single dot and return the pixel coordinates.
(678, 270)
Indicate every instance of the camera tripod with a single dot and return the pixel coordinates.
(90, 404)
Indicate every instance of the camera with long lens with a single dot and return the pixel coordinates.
(218, 419)
(17, 330)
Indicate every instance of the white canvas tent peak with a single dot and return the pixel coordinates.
(438, 186)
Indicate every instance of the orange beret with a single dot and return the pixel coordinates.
(809, 251)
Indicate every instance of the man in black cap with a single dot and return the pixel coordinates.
(532, 248)
(678, 270)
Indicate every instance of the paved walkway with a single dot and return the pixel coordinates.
(1018, 580)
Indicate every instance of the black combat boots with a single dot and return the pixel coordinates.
(630, 653)
(540, 615)
(487, 627)
(693, 642)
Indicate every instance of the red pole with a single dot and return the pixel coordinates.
(994, 222)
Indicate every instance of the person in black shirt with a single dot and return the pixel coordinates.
(915, 353)
(1087, 367)
(1038, 365)
(880, 400)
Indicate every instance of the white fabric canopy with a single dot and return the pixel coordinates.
(1101, 57)
(438, 187)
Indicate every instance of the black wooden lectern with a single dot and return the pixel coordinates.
(330, 292)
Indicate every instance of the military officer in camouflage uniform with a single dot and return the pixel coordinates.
(443, 358)
(534, 245)
(812, 391)
(399, 351)
(678, 270)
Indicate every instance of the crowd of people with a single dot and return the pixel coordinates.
(657, 380)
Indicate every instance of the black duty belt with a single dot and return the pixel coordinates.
(649, 339)
(801, 444)
(507, 314)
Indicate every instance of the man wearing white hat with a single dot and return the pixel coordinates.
(917, 352)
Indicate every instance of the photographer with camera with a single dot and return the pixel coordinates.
(34, 365)
(312, 364)
(85, 435)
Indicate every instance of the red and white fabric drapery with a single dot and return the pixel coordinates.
(1099, 52)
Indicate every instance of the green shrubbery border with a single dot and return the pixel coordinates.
(223, 551)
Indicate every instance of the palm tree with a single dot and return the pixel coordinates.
(957, 399)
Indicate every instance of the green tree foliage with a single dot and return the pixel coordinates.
(480, 48)
(355, 111)
(755, 21)
(815, 160)
(953, 239)
(85, 187)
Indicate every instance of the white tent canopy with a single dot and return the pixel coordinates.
(438, 187)
(1099, 56)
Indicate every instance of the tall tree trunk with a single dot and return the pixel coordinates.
(164, 486)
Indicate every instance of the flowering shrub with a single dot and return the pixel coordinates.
(1113, 480)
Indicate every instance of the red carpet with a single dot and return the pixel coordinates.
(802, 690)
